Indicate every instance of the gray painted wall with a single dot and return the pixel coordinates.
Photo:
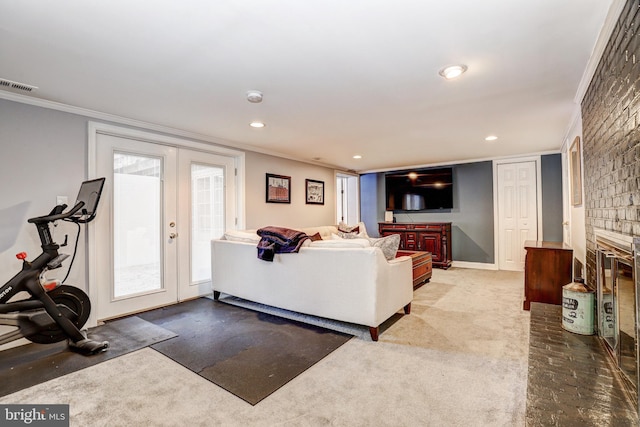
(472, 215)
(44, 155)
(372, 201)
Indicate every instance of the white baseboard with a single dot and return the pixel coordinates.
(474, 265)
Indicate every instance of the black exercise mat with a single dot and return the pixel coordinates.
(248, 353)
(32, 364)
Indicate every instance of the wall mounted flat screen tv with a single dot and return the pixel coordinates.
(420, 189)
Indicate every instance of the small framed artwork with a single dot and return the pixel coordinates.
(278, 188)
(315, 192)
(575, 172)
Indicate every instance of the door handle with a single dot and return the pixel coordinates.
(173, 235)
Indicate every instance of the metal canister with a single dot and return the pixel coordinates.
(577, 308)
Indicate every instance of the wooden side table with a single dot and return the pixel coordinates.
(547, 268)
(422, 266)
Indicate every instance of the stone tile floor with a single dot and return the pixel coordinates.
(572, 380)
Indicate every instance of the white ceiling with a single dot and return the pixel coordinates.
(339, 77)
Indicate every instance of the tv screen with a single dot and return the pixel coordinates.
(421, 189)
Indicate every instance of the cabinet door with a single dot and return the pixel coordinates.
(431, 242)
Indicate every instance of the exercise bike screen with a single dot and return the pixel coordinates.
(90, 194)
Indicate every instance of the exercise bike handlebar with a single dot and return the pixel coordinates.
(56, 216)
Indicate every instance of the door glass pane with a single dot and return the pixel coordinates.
(207, 217)
(137, 212)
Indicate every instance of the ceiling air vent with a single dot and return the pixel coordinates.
(8, 84)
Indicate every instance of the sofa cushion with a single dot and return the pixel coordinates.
(388, 244)
(341, 243)
(247, 236)
(324, 231)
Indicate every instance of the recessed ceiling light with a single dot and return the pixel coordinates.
(452, 71)
(256, 124)
(491, 138)
(357, 156)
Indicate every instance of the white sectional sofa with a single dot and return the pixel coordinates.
(345, 279)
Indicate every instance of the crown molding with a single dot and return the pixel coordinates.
(507, 158)
(601, 43)
(99, 115)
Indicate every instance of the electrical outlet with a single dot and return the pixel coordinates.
(62, 200)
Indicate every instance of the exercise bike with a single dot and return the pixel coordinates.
(53, 311)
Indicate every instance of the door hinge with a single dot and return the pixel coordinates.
(235, 171)
(236, 221)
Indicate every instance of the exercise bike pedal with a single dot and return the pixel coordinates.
(87, 346)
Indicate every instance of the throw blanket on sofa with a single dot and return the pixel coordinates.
(279, 240)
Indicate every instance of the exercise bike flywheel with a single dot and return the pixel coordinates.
(77, 302)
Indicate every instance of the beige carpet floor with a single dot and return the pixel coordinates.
(459, 359)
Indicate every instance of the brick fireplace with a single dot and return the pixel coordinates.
(611, 137)
(611, 156)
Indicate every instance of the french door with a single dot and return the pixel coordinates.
(206, 208)
(161, 206)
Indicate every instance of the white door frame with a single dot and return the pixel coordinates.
(353, 195)
(496, 222)
(95, 128)
(566, 208)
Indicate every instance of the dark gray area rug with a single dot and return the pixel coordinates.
(32, 364)
(248, 353)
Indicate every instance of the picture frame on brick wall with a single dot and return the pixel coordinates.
(575, 165)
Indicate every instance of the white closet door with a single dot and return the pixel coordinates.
(517, 212)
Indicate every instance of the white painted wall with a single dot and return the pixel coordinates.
(577, 237)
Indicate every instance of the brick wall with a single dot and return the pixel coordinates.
(611, 136)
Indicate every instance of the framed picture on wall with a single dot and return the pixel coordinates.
(575, 172)
(315, 192)
(278, 188)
